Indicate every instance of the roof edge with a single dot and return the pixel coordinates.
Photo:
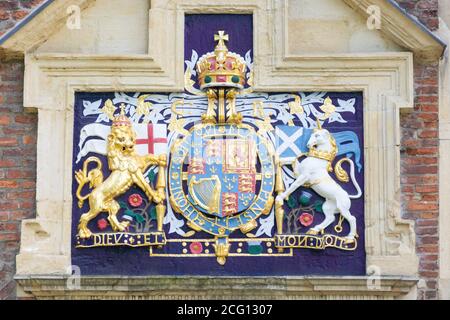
(418, 23)
(403, 28)
(25, 21)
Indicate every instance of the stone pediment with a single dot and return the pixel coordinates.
(396, 25)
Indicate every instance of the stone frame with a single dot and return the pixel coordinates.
(218, 288)
(386, 80)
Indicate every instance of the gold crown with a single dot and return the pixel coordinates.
(221, 68)
(121, 120)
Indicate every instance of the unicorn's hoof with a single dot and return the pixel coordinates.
(348, 240)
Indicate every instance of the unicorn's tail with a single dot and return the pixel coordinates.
(342, 176)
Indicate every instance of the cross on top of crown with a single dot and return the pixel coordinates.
(221, 37)
(122, 109)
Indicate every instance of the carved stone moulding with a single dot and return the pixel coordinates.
(187, 288)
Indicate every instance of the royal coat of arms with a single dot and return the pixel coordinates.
(218, 171)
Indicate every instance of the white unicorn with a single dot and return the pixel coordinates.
(314, 171)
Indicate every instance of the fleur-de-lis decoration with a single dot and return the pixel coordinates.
(143, 108)
(178, 126)
(328, 108)
(258, 109)
(229, 180)
(296, 106)
(175, 123)
(109, 108)
(245, 198)
(265, 125)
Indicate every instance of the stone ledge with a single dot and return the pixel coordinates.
(201, 287)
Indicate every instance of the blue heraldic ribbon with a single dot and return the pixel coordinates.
(291, 142)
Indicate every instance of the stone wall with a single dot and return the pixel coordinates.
(18, 132)
(17, 170)
(419, 155)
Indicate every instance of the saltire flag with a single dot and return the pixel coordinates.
(291, 141)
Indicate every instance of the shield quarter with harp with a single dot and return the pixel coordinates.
(206, 193)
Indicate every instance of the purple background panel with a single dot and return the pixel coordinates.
(136, 261)
(201, 28)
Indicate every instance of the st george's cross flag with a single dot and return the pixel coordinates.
(151, 139)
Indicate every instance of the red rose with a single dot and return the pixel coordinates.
(306, 219)
(196, 247)
(135, 200)
(102, 224)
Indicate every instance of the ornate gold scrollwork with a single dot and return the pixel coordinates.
(249, 226)
(268, 205)
(279, 189)
(222, 248)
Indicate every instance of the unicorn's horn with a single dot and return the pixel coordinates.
(319, 126)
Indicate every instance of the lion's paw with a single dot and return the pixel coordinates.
(84, 234)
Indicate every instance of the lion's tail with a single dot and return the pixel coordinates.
(342, 176)
(94, 177)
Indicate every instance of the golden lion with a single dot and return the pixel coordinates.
(127, 169)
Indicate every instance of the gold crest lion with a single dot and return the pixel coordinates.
(127, 169)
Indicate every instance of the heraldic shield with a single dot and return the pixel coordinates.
(222, 177)
(222, 172)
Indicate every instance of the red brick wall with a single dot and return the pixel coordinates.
(12, 11)
(419, 155)
(419, 168)
(17, 170)
(17, 153)
(425, 10)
